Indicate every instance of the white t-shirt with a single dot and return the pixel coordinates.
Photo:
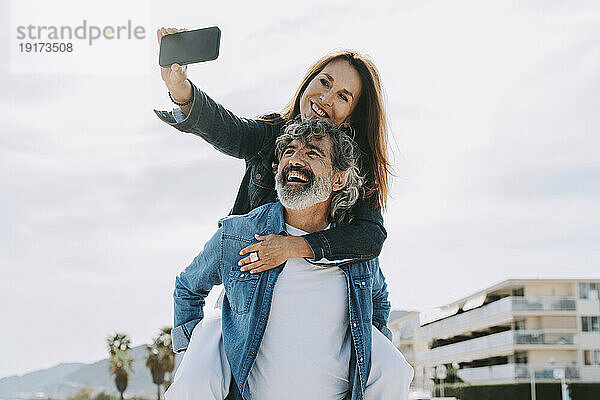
(305, 351)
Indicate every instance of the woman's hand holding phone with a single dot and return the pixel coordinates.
(175, 77)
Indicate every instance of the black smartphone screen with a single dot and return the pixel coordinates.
(190, 47)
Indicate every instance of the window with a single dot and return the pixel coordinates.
(589, 324)
(520, 357)
(588, 291)
(518, 292)
(591, 357)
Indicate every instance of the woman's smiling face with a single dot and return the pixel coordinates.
(332, 94)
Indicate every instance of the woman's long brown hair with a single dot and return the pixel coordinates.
(368, 120)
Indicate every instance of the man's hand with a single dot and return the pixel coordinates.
(175, 77)
(272, 251)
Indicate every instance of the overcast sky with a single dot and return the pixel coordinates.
(494, 123)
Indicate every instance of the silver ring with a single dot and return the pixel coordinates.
(254, 256)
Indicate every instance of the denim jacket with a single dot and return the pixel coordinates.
(247, 299)
(254, 141)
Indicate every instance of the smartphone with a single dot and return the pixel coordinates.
(190, 47)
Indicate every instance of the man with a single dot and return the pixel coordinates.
(298, 331)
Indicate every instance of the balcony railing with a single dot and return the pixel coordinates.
(508, 338)
(504, 305)
(543, 303)
(516, 371)
(543, 337)
(450, 351)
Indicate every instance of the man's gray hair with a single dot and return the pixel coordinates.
(344, 157)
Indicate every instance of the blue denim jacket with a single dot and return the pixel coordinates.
(248, 298)
(254, 141)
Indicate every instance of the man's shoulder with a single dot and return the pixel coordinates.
(258, 221)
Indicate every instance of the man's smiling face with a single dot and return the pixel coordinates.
(305, 174)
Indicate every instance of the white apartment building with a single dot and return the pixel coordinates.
(511, 330)
(403, 325)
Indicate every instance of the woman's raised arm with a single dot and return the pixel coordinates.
(204, 117)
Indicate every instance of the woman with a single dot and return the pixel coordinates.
(343, 87)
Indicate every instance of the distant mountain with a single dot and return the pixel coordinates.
(35, 381)
(65, 380)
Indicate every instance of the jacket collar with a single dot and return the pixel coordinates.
(276, 221)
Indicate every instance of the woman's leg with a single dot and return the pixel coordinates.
(390, 374)
(204, 372)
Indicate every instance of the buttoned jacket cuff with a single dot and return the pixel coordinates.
(319, 245)
(180, 335)
(177, 118)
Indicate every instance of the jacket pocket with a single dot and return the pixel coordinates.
(240, 289)
(362, 282)
(363, 285)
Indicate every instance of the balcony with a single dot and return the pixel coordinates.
(480, 347)
(550, 336)
(452, 351)
(505, 305)
(543, 303)
(506, 372)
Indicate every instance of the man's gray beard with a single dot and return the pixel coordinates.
(299, 198)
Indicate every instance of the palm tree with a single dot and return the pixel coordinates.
(153, 362)
(160, 359)
(121, 361)
(164, 342)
